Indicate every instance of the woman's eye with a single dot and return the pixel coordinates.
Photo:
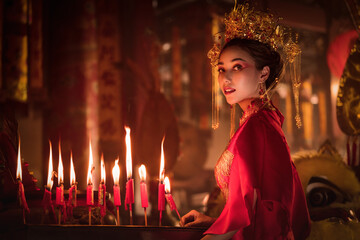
(237, 67)
(221, 70)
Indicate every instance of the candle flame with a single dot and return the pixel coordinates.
(72, 171)
(18, 169)
(103, 172)
(162, 162)
(60, 168)
(91, 163)
(128, 153)
(142, 173)
(167, 185)
(116, 172)
(50, 170)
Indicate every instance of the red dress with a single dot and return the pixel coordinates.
(264, 196)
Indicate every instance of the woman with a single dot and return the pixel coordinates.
(264, 196)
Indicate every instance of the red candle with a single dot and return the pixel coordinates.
(61, 204)
(161, 190)
(117, 199)
(161, 197)
(129, 197)
(102, 199)
(169, 197)
(101, 194)
(116, 188)
(60, 188)
(21, 192)
(143, 188)
(21, 195)
(47, 202)
(102, 189)
(49, 184)
(60, 195)
(73, 188)
(170, 201)
(89, 189)
(89, 195)
(47, 199)
(72, 195)
(144, 196)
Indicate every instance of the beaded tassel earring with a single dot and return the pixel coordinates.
(261, 89)
(232, 120)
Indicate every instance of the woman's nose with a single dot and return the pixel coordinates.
(228, 76)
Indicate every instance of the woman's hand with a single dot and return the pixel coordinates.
(196, 219)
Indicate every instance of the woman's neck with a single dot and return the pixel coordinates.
(246, 103)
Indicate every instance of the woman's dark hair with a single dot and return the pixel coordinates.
(263, 56)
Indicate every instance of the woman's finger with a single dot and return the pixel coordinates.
(189, 217)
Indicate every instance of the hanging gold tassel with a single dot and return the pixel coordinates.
(215, 100)
(215, 84)
(295, 76)
(294, 60)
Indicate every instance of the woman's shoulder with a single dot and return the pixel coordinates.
(257, 121)
(253, 128)
(271, 118)
(264, 123)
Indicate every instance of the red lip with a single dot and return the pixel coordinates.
(228, 90)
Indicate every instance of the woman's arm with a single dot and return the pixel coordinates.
(219, 236)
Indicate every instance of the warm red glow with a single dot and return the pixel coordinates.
(162, 162)
(142, 173)
(116, 172)
(72, 171)
(91, 163)
(128, 153)
(167, 185)
(60, 169)
(50, 170)
(103, 172)
(18, 169)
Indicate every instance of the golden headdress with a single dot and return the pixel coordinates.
(246, 23)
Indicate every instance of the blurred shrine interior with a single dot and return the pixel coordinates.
(79, 71)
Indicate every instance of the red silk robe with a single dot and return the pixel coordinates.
(264, 196)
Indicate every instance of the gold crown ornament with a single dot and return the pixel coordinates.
(246, 23)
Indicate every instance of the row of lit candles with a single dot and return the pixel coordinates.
(163, 188)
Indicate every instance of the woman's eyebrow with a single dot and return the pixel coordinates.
(238, 59)
(235, 59)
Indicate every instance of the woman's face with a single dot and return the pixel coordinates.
(238, 77)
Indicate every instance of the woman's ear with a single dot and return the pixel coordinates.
(264, 75)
